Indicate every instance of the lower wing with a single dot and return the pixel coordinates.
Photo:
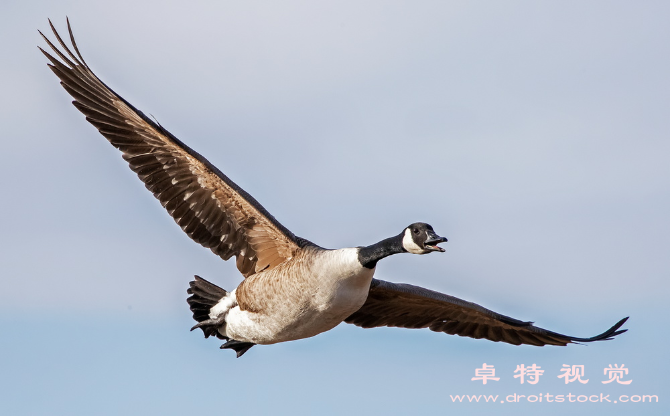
(408, 306)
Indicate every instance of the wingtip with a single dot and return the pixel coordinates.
(608, 335)
(52, 26)
(43, 36)
(612, 332)
(618, 333)
(617, 326)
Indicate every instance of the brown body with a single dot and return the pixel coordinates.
(311, 294)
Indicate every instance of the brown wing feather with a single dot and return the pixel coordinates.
(408, 306)
(208, 206)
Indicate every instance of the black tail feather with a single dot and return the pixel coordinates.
(204, 295)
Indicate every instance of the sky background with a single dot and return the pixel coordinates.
(534, 135)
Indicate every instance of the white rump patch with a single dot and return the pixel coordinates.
(409, 244)
(223, 306)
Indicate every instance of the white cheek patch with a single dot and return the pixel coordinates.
(409, 244)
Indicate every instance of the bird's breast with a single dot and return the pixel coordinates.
(341, 283)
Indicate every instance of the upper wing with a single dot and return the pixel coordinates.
(407, 306)
(208, 206)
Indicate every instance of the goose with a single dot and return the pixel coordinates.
(292, 288)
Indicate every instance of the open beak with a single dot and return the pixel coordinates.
(432, 242)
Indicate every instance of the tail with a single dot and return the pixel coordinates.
(204, 295)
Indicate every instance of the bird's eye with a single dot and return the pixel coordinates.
(415, 231)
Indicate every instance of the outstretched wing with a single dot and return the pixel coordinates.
(208, 206)
(408, 306)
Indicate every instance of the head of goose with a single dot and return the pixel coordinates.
(417, 238)
(420, 238)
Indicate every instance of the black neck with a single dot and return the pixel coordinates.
(370, 255)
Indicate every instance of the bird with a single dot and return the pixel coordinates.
(292, 288)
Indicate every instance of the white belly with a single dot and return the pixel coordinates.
(329, 290)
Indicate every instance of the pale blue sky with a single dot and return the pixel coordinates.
(535, 136)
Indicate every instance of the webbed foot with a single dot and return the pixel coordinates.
(239, 346)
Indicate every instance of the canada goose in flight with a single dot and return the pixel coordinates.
(293, 289)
